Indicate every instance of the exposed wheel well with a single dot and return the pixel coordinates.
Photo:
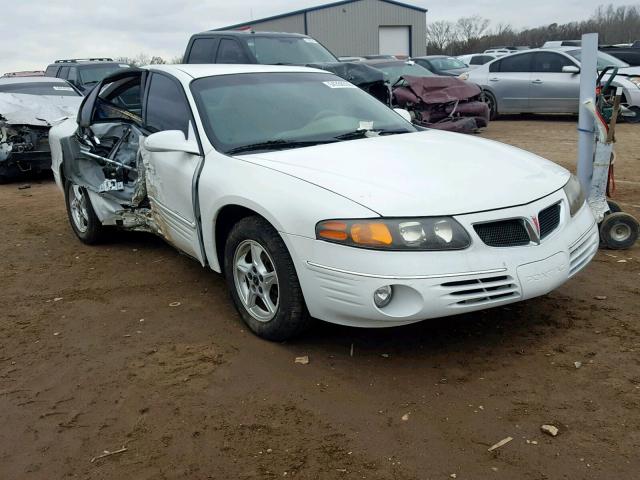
(228, 216)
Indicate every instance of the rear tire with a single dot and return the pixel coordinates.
(82, 217)
(263, 282)
(619, 231)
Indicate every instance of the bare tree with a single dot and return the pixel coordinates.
(470, 28)
(440, 34)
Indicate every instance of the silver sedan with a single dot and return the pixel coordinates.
(546, 81)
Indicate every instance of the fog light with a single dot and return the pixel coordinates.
(382, 296)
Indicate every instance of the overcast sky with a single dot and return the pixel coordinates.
(35, 32)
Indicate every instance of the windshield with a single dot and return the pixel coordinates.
(247, 109)
(447, 63)
(397, 70)
(288, 50)
(40, 88)
(604, 59)
(96, 73)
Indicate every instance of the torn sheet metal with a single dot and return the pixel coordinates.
(370, 79)
(443, 103)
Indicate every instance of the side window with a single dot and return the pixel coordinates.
(167, 107)
(64, 72)
(73, 75)
(230, 51)
(482, 59)
(495, 66)
(477, 60)
(548, 62)
(203, 50)
(516, 63)
(119, 100)
(51, 71)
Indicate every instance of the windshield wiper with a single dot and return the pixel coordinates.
(276, 145)
(362, 133)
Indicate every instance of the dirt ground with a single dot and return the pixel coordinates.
(93, 357)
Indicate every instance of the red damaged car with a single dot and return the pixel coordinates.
(445, 103)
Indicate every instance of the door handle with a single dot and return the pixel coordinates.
(537, 81)
(494, 79)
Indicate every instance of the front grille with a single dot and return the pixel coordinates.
(479, 291)
(549, 219)
(581, 253)
(504, 233)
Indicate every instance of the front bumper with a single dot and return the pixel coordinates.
(338, 282)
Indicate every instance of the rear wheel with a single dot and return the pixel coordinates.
(490, 99)
(82, 217)
(263, 282)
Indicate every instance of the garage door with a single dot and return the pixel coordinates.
(394, 40)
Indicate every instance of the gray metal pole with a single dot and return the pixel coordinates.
(588, 76)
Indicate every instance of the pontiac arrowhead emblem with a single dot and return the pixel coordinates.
(533, 228)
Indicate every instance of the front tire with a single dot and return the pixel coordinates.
(82, 217)
(490, 99)
(263, 282)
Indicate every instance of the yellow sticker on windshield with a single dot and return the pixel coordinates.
(339, 84)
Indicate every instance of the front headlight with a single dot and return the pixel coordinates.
(575, 194)
(635, 81)
(464, 76)
(432, 233)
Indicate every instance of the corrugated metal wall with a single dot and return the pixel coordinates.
(352, 28)
(291, 24)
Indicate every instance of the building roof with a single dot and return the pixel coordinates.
(319, 7)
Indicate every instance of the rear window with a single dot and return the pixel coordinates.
(288, 50)
(51, 71)
(95, 73)
(40, 88)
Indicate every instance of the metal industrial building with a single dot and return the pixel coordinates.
(354, 27)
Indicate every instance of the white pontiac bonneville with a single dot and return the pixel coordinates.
(316, 200)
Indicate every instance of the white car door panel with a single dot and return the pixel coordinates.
(171, 175)
(169, 183)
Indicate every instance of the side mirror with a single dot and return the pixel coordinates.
(570, 69)
(403, 113)
(171, 141)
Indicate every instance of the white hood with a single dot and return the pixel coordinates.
(422, 174)
(43, 110)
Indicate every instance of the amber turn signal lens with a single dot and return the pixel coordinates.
(374, 233)
(333, 230)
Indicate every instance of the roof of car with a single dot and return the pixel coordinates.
(244, 33)
(429, 57)
(8, 80)
(210, 70)
(385, 61)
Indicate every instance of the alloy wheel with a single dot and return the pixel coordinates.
(78, 206)
(256, 280)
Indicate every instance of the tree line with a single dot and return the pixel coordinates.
(474, 34)
(144, 59)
